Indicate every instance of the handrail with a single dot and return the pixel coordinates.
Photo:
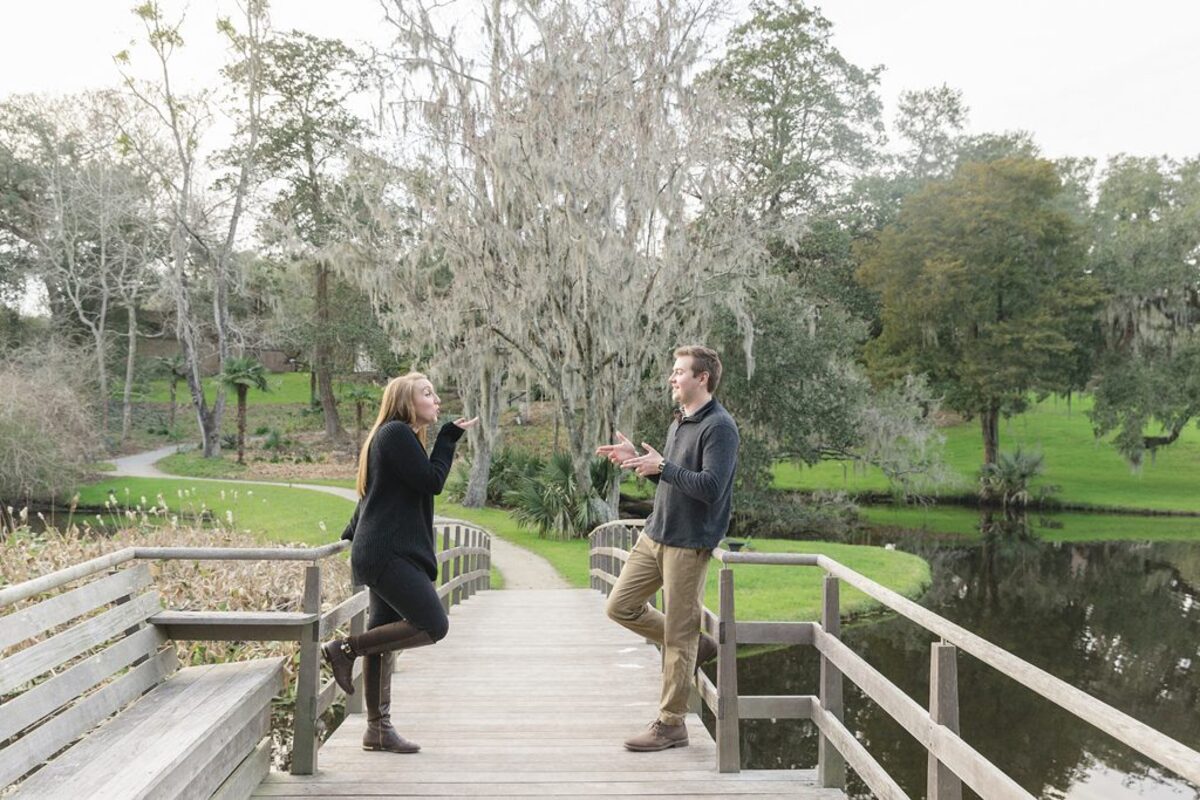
(44, 583)
(607, 558)
(464, 562)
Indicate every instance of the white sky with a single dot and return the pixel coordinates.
(1087, 77)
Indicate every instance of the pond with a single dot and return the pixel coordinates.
(1118, 619)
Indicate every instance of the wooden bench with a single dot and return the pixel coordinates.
(149, 730)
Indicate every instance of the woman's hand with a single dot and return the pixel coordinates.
(466, 424)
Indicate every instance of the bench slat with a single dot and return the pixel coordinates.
(248, 775)
(35, 747)
(35, 660)
(29, 622)
(225, 626)
(28, 707)
(153, 747)
(198, 780)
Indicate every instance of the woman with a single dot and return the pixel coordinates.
(393, 550)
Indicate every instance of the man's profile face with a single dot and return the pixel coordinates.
(686, 386)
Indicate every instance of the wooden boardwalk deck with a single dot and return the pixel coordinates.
(530, 695)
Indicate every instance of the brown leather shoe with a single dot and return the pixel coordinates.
(377, 690)
(658, 736)
(707, 650)
(340, 657)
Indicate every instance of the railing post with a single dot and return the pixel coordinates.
(308, 680)
(468, 564)
(729, 756)
(446, 566)
(593, 581)
(358, 625)
(941, 783)
(456, 594)
(831, 766)
(487, 578)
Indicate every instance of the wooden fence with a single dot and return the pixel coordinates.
(951, 761)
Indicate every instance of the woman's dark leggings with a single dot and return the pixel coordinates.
(402, 591)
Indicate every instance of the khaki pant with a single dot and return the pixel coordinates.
(680, 572)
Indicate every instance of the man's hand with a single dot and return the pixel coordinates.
(620, 452)
(466, 424)
(645, 465)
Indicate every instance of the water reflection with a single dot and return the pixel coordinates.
(1120, 620)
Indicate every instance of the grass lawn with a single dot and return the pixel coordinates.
(285, 388)
(276, 513)
(1086, 471)
(193, 464)
(1072, 527)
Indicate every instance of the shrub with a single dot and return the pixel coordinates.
(1009, 480)
(552, 501)
(789, 515)
(48, 431)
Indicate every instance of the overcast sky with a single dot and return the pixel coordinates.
(1085, 77)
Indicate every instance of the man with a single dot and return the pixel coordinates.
(694, 474)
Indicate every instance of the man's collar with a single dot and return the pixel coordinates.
(700, 412)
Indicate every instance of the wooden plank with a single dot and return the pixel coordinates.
(940, 782)
(707, 690)
(775, 633)
(311, 554)
(882, 785)
(35, 586)
(248, 775)
(453, 587)
(774, 706)
(343, 612)
(33, 748)
(701, 788)
(831, 766)
(728, 747)
(35, 620)
(308, 681)
(30, 706)
(33, 661)
(234, 626)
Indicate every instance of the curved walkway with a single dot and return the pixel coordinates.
(521, 569)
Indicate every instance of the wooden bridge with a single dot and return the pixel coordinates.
(531, 695)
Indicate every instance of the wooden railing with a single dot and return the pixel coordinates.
(952, 761)
(464, 565)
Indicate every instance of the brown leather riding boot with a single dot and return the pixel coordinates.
(377, 683)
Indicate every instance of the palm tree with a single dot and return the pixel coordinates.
(175, 368)
(239, 374)
(361, 395)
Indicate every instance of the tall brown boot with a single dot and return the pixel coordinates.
(377, 682)
(340, 653)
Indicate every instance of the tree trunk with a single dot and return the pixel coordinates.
(323, 357)
(171, 417)
(989, 421)
(241, 423)
(483, 437)
(358, 426)
(127, 395)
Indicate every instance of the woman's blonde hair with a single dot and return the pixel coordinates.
(399, 403)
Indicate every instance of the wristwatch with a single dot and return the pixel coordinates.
(662, 464)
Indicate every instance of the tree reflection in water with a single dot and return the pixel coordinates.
(1120, 620)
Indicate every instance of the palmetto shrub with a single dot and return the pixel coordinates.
(552, 501)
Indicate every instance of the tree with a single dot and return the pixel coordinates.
(982, 287)
(361, 396)
(306, 133)
(573, 201)
(202, 237)
(806, 121)
(242, 373)
(175, 370)
(1146, 224)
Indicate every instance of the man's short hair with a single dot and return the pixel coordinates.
(704, 359)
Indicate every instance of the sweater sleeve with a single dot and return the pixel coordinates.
(348, 533)
(718, 455)
(404, 455)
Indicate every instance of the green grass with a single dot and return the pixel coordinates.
(275, 513)
(1087, 471)
(193, 464)
(286, 388)
(764, 592)
(1073, 527)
